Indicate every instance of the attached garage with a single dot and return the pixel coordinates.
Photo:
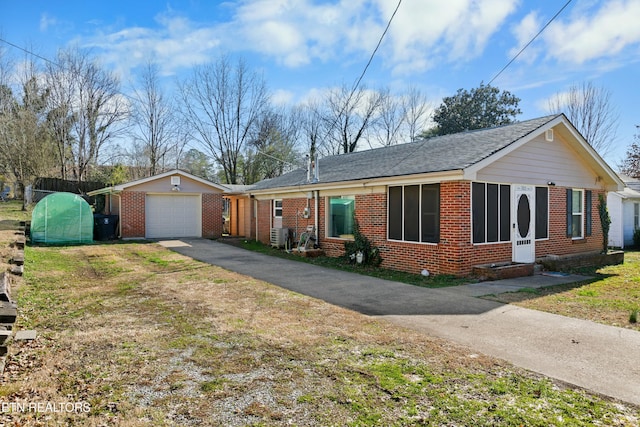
(173, 215)
(171, 205)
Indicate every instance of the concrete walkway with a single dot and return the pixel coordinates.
(599, 358)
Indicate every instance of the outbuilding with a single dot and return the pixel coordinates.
(173, 204)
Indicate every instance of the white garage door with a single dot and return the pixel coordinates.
(173, 216)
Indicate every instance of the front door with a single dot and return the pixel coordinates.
(523, 233)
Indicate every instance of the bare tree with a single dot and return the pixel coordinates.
(390, 120)
(310, 115)
(222, 103)
(347, 116)
(155, 124)
(631, 164)
(25, 144)
(87, 110)
(416, 111)
(272, 150)
(591, 111)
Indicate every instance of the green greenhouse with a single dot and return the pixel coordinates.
(62, 218)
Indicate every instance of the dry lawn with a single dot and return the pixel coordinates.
(132, 334)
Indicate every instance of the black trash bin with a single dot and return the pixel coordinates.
(104, 227)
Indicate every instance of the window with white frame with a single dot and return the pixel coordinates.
(341, 216)
(579, 211)
(491, 212)
(277, 208)
(577, 214)
(414, 213)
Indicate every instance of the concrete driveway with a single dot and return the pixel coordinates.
(599, 358)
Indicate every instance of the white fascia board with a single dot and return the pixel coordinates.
(302, 190)
(594, 159)
(106, 190)
(170, 173)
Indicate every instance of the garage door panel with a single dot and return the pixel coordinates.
(173, 216)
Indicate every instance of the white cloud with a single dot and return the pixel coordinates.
(46, 21)
(296, 32)
(428, 32)
(176, 44)
(604, 33)
(524, 31)
(282, 97)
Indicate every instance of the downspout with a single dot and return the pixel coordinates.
(315, 210)
(119, 214)
(255, 216)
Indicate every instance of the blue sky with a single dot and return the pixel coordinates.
(306, 46)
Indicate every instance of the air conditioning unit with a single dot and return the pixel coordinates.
(279, 237)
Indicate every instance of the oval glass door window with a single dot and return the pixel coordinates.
(524, 215)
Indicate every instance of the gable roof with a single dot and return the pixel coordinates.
(455, 152)
(121, 187)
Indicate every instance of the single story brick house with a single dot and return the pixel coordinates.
(507, 194)
(169, 205)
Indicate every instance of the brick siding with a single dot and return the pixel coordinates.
(132, 214)
(454, 254)
(211, 215)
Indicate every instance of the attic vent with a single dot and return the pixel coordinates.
(548, 136)
(175, 180)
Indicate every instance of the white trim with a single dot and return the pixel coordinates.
(327, 204)
(420, 214)
(126, 185)
(548, 135)
(275, 201)
(368, 186)
(582, 213)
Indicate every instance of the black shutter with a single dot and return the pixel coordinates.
(569, 212)
(587, 202)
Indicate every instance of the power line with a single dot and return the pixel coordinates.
(530, 41)
(364, 71)
(29, 52)
(384, 33)
(57, 64)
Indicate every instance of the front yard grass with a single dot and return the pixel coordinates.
(610, 297)
(144, 336)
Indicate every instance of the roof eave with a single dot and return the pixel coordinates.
(421, 178)
(106, 190)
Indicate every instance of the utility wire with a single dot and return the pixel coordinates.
(530, 41)
(364, 71)
(384, 33)
(29, 52)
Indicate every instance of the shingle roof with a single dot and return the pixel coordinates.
(440, 154)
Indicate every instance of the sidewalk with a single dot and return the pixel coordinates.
(599, 358)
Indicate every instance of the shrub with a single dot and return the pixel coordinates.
(360, 243)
